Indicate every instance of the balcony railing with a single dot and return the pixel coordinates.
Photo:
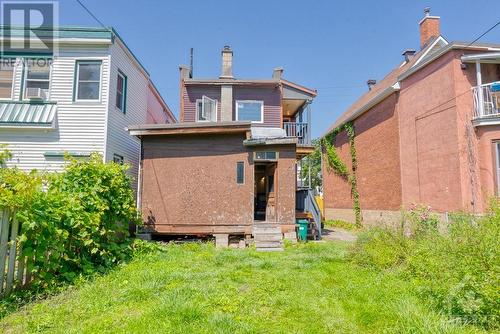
(299, 130)
(486, 100)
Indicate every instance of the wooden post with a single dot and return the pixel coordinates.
(12, 254)
(4, 235)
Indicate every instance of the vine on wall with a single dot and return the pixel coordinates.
(335, 164)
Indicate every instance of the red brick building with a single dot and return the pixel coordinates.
(429, 132)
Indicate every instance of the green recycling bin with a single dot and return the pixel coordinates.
(302, 229)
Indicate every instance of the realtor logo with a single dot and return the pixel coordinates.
(28, 27)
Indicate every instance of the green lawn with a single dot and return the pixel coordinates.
(194, 288)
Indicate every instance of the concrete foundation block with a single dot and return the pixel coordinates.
(144, 236)
(221, 240)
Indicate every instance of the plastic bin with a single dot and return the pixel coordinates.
(302, 229)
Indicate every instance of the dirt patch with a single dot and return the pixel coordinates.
(335, 233)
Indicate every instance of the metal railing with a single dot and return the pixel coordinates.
(299, 130)
(306, 202)
(486, 102)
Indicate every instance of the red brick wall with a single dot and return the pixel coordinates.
(377, 149)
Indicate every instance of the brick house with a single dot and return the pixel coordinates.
(231, 162)
(429, 132)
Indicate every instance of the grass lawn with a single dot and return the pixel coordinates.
(193, 288)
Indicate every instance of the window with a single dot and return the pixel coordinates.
(250, 111)
(37, 78)
(121, 92)
(88, 80)
(240, 172)
(206, 110)
(118, 159)
(6, 74)
(265, 156)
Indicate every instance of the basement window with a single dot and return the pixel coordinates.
(240, 172)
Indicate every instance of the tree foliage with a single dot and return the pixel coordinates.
(312, 162)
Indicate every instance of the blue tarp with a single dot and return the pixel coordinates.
(495, 87)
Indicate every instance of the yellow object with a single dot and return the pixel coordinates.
(319, 201)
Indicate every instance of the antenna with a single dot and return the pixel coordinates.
(191, 58)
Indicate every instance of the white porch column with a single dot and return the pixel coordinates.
(480, 98)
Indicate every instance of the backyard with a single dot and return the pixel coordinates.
(195, 288)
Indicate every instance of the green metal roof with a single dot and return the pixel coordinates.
(20, 114)
(60, 32)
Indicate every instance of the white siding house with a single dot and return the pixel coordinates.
(92, 89)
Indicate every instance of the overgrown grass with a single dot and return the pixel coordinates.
(457, 272)
(342, 224)
(194, 288)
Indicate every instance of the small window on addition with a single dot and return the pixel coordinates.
(118, 159)
(240, 172)
(265, 156)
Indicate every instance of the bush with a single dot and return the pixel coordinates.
(457, 272)
(72, 223)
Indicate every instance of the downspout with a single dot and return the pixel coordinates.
(139, 184)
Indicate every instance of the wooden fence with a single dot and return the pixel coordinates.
(12, 267)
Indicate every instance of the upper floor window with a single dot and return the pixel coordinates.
(37, 80)
(121, 91)
(250, 111)
(88, 80)
(206, 110)
(6, 78)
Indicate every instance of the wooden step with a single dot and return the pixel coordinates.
(266, 230)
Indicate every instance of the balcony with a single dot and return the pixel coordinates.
(486, 103)
(299, 130)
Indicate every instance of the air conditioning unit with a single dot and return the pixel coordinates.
(33, 93)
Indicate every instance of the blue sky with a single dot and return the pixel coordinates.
(332, 46)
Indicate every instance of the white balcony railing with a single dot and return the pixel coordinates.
(486, 101)
(299, 130)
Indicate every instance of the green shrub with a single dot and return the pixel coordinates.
(458, 272)
(72, 223)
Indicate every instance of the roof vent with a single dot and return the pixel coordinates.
(371, 83)
(408, 54)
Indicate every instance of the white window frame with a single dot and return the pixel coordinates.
(123, 109)
(14, 68)
(120, 158)
(198, 101)
(251, 101)
(77, 78)
(25, 79)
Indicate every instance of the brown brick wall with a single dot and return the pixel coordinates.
(189, 184)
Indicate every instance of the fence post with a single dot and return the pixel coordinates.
(4, 235)
(12, 254)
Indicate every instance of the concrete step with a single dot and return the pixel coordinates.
(270, 249)
(266, 230)
(269, 244)
(267, 237)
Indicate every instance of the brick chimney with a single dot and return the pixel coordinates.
(227, 63)
(429, 27)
